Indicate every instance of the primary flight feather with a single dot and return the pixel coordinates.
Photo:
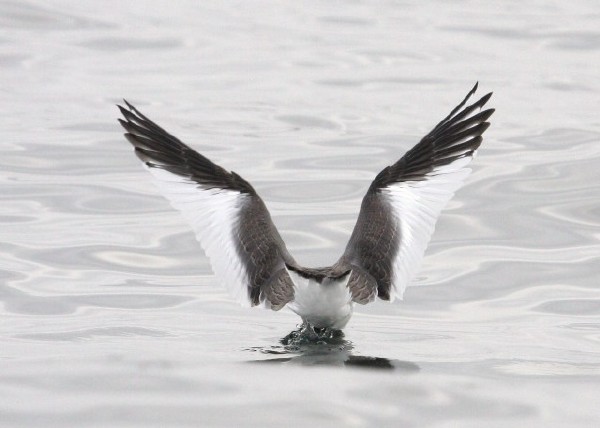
(395, 223)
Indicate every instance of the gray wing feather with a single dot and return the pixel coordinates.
(248, 252)
(402, 204)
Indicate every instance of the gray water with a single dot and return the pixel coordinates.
(110, 314)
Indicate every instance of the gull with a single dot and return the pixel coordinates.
(395, 223)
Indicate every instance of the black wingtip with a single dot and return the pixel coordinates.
(123, 123)
(128, 104)
(458, 107)
(486, 98)
(123, 110)
(120, 106)
(474, 88)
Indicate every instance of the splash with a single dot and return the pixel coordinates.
(309, 335)
(314, 346)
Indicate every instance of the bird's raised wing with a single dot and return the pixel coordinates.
(230, 220)
(399, 211)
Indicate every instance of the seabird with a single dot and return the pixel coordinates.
(234, 227)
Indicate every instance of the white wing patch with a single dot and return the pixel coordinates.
(417, 206)
(213, 215)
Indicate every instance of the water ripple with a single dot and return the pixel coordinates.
(111, 315)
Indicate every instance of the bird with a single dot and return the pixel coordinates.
(234, 227)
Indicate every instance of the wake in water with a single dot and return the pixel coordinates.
(307, 334)
(313, 346)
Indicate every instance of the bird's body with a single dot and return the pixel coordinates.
(395, 223)
(324, 304)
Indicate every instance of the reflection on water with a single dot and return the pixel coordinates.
(326, 348)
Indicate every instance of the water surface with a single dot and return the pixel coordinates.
(110, 313)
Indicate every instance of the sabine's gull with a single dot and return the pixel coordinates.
(234, 227)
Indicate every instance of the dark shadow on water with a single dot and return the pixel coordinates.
(322, 347)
